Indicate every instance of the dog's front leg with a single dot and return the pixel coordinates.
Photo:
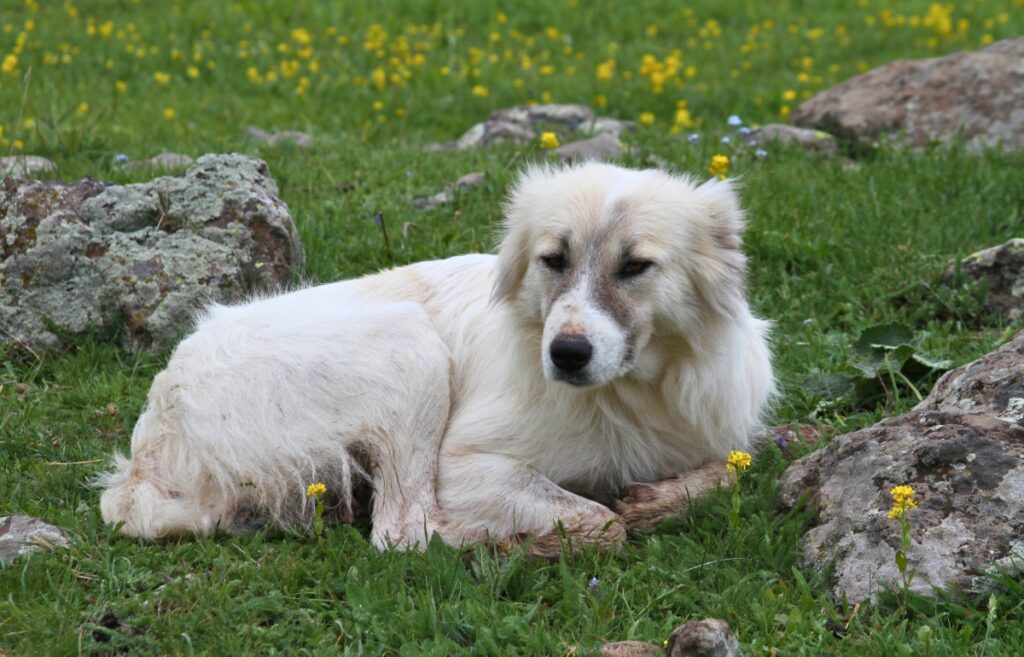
(499, 499)
(646, 505)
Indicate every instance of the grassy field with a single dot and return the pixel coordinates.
(833, 249)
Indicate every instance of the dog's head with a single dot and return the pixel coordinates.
(606, 258)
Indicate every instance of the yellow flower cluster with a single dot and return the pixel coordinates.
(720, 167)
(317, 490)
(902, 501)
(737, 461)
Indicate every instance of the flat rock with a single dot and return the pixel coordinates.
(447, 195)
(604, 146)
(25, 165)
(975, 96)
(300, 139)
(165, 160)
(20, 534)
(630, 649)
(711, 637)
(86, 256)
(814, 141)
(1001, 268)
(961, 450)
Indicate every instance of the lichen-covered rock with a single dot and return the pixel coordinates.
(814, 141)
(962, 450)
(25, 165)
(20, 534)
(1001, 268)
(711, 637)
(85, 256)
(975, 96)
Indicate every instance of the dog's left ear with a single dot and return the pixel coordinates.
(513, 259)
(720, 277)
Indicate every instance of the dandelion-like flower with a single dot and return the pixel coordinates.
(169, 113)
(317, 490)
(902, 501)
(737, 461)
(548, 140)
(647, 118)
(719, 167)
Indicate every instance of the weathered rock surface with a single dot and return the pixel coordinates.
(82, 256)
(21, 534)
(976, 96)
(814, 141)
(25, 165)
(630, 649)
(165, 160)
(962, 450)
(522, 124)
(1001, 268)
(711, 637)
(604, 146)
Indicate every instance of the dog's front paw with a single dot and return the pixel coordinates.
(644, 506)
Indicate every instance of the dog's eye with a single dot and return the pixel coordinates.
(554, 262)
(635, 268)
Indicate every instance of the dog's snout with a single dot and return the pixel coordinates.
(571, 353)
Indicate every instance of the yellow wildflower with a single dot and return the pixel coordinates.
(169, 113)
(481, 91)
(737, 461)
(719, 167)
(121, 86)
(302, 35)
(192, 72)
(902, 501)
(83, 108)
(10, 64)
(548, 140)
(161, 78)
(647, 118)
(317, 489)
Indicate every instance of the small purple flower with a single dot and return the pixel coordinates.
(726, 140)
(120, 158)
(752, 143)
(734, 121)
(761, 152)
(780, 440)
(379, 218)
(744, 131)
(694, 138)
(593, 585)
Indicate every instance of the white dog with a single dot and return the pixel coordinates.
(608, 343)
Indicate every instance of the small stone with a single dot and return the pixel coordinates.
(20, 534)
(168, 161)
(467, 181)
(604, 146)
(300, 139)
(814, 141)
(25, 165)
(630, 649)
(710, 637)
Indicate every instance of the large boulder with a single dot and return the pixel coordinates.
(962, 450)
(87, 256)
(976, 96)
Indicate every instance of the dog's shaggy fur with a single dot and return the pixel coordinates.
(609, 343)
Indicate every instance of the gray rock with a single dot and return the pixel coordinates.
(630, 649)
(604, 146)
(447, 195)
(1001, 268)
(815, 141)
(975, 96)
(85, 256)
(168, 161)
(25, 165)
(710, 637)
(21, 534)
(522, 124)
(300, 139)
(961, 450)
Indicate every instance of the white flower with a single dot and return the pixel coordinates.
(726, 140)
(744, 131)
(734, 120)
(694, 138)
(761, 152)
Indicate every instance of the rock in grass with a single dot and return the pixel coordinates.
(165, 160)
(962, 451)
(604, 146)
(1001, 269)
(139, 259)
(814, 141)
(25, 165)
(630, 649)
(20, 534)
(710, 637)
(300, 139)
(974, 96)
(446, 195)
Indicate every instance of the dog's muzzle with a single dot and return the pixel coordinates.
(571, 353)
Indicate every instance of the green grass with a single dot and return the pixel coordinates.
(832, 252)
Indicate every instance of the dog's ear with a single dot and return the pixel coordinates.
(720, 277)
(513, 259)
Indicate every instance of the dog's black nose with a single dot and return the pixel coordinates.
(571, 353)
